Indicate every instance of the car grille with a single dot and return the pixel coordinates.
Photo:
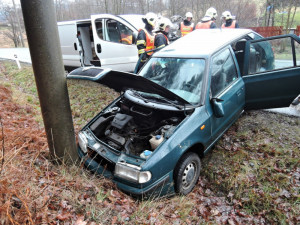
(106, 164)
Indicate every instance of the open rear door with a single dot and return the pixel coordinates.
(272, 77)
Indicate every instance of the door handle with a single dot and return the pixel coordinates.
(239, 92)
(99, 48)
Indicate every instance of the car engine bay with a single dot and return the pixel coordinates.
(132, 128)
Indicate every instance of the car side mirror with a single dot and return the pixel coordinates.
(217, 107)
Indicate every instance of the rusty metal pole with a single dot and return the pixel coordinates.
(42, 34)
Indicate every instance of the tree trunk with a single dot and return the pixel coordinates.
(292, 21)
(273, 13)
(289, 16)
(106, 6)
(19, 25)
(266, 13)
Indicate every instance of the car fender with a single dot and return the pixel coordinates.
(187, 136)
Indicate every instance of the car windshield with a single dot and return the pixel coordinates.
(181, 76)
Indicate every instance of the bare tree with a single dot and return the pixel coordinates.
(245, 10)
(13, 32)
(19, 28)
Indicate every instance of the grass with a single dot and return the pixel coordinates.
(278, 18)
(86, 97)
(263, 165)
(253, 169)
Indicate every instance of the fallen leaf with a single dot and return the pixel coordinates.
(63, 217)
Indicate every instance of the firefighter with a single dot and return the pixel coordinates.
(161, 38)
(229, 22)
(126, 37)
(187, 26)
(208, 21)
(145, 38)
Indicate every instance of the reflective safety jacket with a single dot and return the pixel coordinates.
(145, 41)
(186, 29)
(160, 40)
(126, 39)
(232, 25)
(204, 25)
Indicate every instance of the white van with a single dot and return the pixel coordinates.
(104, 40)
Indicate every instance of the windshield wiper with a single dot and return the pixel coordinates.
(176, 105)
(140, 96)
(145, 97)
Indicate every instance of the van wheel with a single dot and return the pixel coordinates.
(187, 172)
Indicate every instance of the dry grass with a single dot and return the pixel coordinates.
(6, 42)
(252, 177)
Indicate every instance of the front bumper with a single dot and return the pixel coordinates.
(161, 187)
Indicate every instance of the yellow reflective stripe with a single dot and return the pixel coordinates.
(143, 60)
(141, 42)
(161, 46)
(141, 51)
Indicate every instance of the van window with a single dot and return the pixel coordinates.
(99, 28)
(126, 34)
(223, 72)
(112, 31)
(118, 32)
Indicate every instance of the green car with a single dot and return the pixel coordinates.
(151, 139)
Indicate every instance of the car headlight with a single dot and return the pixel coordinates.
(132, 173)
(82, 141)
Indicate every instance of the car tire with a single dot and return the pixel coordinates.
(186, 173)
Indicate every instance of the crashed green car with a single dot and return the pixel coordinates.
(151, 139)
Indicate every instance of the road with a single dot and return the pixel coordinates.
(24, 56)
(10, 53)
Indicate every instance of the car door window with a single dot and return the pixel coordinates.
(99, 28)
(126, 34)
(297, 52)
(270, 55)
(112, 31)
(223, 72)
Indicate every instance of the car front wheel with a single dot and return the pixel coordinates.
(187, 172)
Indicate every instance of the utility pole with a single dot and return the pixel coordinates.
(19, 24)
(42, 32)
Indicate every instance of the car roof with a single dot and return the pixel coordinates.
(202, 43)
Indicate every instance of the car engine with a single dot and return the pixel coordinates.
(132, 128)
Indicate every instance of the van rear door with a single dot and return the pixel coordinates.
(114, 42)
(67, 35)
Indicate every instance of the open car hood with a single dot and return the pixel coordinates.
(121, 81)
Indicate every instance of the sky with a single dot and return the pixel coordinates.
(9, 2)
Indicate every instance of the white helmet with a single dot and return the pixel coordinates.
(226, 15)
(212, 13)
(151, 18)
(163, 23)
(188, 14)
